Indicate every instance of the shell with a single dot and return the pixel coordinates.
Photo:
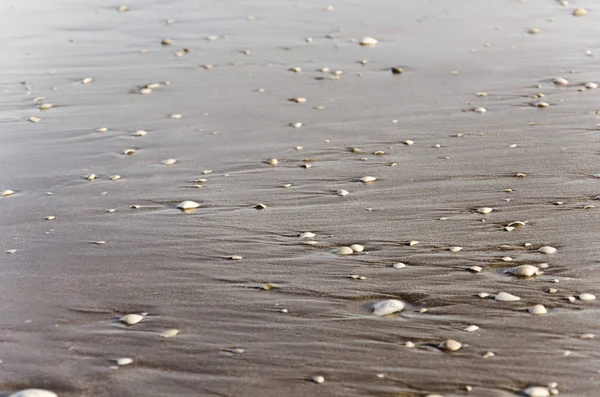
(524, 271)
(169, 333)
(536, 391)
(587, 297)
(131, 319)
(368, 179)
(580, 12)
(399, 265)
(188, 205)
(344, 251)
(87, 80)
(124, 361)
(546, 249)
(455, 249)
(319, 379)
(33, 393)
(307, 235)
(357, 248)
(506, 297)
(471, 328)
(168, 161)
(236, 257)
(561, 81)
(450, 345)
(390, 306)
(368, 41)
(6, 193)
(484, 210)
(342, 192)
(537, 310)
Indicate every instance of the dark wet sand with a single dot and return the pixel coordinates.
(59, 294)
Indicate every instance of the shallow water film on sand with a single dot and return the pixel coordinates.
(276, 198)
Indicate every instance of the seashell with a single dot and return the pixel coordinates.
(131, 319)
(357, 248)
(188, 205)
(307, 235)
(260, 206)
(122, 8)
(368, 179)
(561, 81)
(450, 345)
(587, 297)
(33, 393)
(475, 269)
(524, 271)
(537, 310)
(50, 217)
(580, 12)
(455, 249)
(128, 152)
(34, 119)
(87, 80)
(471, 328)
(399, 265)
(480, 110)
(483, 295)
(169, 333)
(175, 116)
(541, 104)
(506, 297)
(533, 31)
(484, 210)
(168, 161)
(408, 142)
(236, 257)
(368, 41)
(6, 193)
(115, 177)
(591, 85)
(273, 162)
(390, 306)
(319, 379)
(298, 100)
(536, 391)
(342, 192)
(547, 250)
(124, 361)
(46, 106)
(344, 251)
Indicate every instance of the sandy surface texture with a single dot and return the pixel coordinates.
(476, 119)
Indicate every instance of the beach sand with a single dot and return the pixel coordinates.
(294, 308)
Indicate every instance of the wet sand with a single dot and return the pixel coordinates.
(61, 294)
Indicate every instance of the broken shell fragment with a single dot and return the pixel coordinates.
(390, 306)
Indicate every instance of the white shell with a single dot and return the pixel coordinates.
(450, 345)
(484, 210)
(480, 110)
(537, 310)
(273, 162)
(168, 161)
(399, 265)
(524, 271)
(471, 328)
(140, 133)
(408, 142)
(6, 193)
(506, 297)
(169, 333)
(591, 85)
(368, 41)
(131, 319)
(579, 12)
(412, 243)
(307, 235)
(236, 257)
(87, 80)
(475, 269)
(455, 249)
(188, 205)
(587, 297)
(483, 295)
(390, 306)
(33, 393)
(176, 116)
(124, 361)
(319, 379)
(547, 250)
(561, 81)
(34, 119)
(357, 248)
(342, 192)
(367, 179)
(536, 391)
(344, 251)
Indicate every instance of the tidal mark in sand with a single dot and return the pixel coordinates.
(390, 306)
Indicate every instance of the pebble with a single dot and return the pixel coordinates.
(367, 179)
(91, 177)
(524, 271)
(357, 248)
(506, 297)
(533, 31)
(319, 379)
(296, 124)
(273, 162)
(307, 235)
(299, 100)
(537, 310)
(188, 205)
(168, 161)
(368, 41)
(455, 249)
(33, 393)
(547, 250)
(471, 328)
(399, 265)
(579, 12)
(450, 345)
(542, 104)
(536, 391)
(124, 361)
(169, 333)
(6, 193)
(115, 177)
(390, 306)
(131, 319)
(344, 251)
(587, 297)
(484, 210)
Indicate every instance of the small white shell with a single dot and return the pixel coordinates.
(367, 179)
(319, 379)
(307, 235)
(471, 328)
(475, 269)
(344, 251)
(34, 119)
(524, 271)
(390, 306)
(579, 12)
(536, 391)
(484, 210)
(128, 152)
(33, 393)
(175, 116)
(342, 192)
(537, 310)
(131, 319)
(399, 265)
(236, 257)
(455, 249)
(140, 133)
(450, 345)
(124, 361)
(368, 41)
(169, 333)
(6, 193)
(480, 110)
(587, 297)
(547, 250)
(188, 205)
(357, 248)
(168, 161)
(506, 297)
(87, 80)
(561, 81)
